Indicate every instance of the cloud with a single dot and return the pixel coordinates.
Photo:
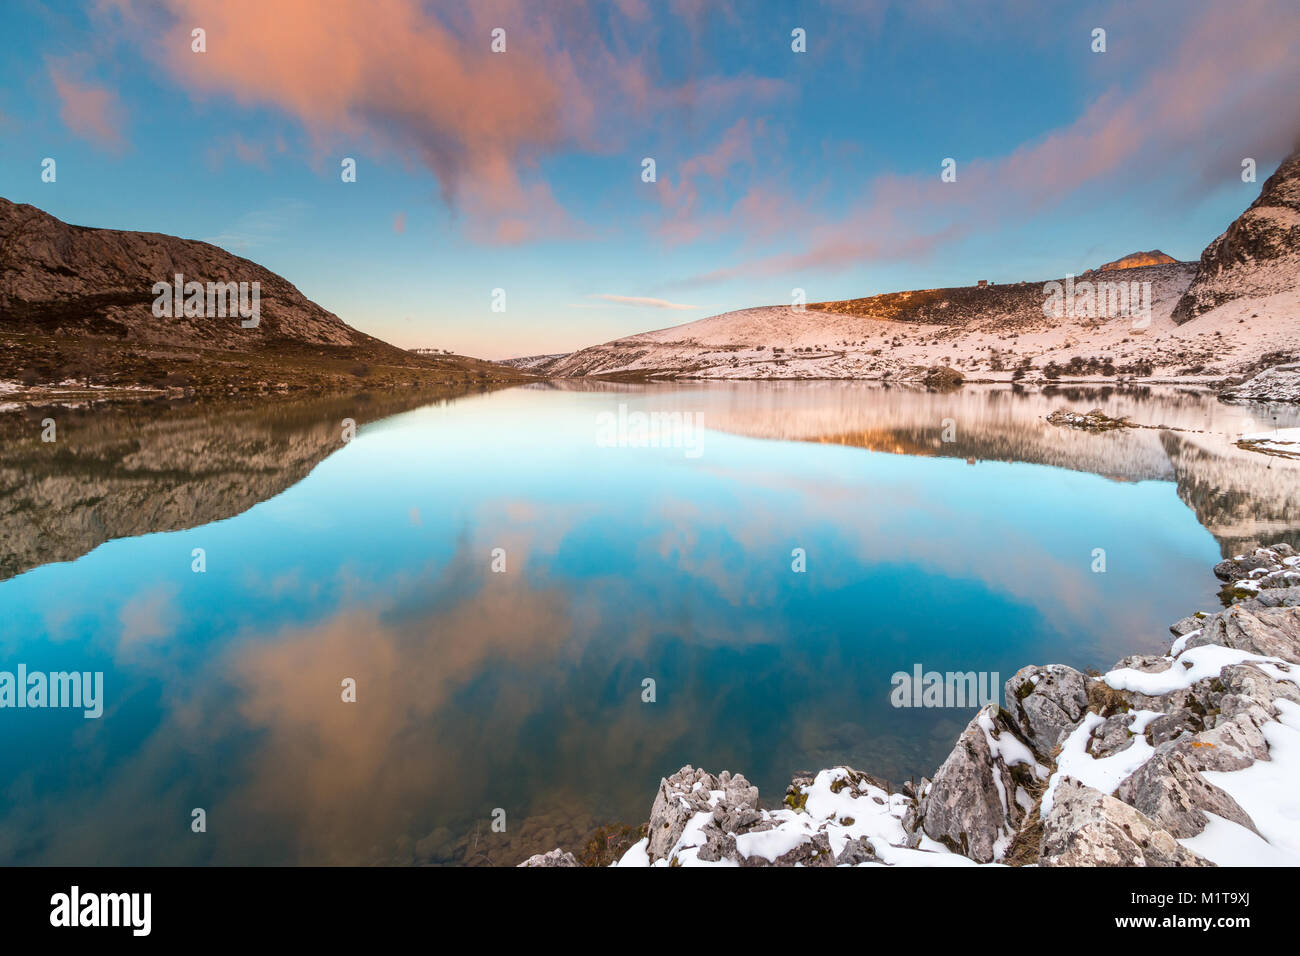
(643, 302)
(148, 616)
(91, 111)
(1222, 90)
(245, 151)
(420, 82)
(261, 227)
(390, 76)
(679, 190)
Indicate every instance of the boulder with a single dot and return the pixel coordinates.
(1046, 703)
(732, 802)
(857, 851)
(1088, 828)
(1266, 631)
(1169, 791)
(978, 798)
(941, 378)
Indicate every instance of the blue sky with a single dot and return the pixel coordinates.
(522, 170)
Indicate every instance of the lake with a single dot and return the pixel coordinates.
(499, 576)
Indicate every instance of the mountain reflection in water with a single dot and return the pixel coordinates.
(521, 690)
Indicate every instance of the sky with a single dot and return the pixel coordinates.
(524, 170)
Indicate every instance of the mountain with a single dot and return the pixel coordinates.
(78, 304)
(983, 331)
(1258, 256)
(1229, 315)
(1136, 260)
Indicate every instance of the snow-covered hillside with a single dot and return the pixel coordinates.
(1228, 315)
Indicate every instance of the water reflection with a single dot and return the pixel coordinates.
(522, 690)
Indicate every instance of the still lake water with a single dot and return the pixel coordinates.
(522, 690)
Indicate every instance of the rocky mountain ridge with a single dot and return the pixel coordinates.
(1257, 256)
(61, 278)
(77, 308)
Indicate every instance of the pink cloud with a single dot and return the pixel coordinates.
(420, 82)
(91, 111)
(389, 76)
(1225, 90)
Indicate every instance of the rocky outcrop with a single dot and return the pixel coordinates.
(1268, 577)
(553, 858)
(980, 796)
(730, 802)
(1169, 790)
(1136, 260)
(1281, 383)
(55, 277)
(1258, 255)
(1093, 421)
(1046, 704)
(1128, 768)
(1089, 828)
(941, 378)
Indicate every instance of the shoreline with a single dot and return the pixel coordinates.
(1182, 759)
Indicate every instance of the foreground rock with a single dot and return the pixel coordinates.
(1089, 828)
(1185, 759)
(553, 858)
(1267, 577)
(981, 795)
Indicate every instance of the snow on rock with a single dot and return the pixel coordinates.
(1099, 773)
(1280, 383)
(1264, 577)
(553, 858)
(1267, 790)
(840, 816)
(1230, 844)
(1194, 665)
